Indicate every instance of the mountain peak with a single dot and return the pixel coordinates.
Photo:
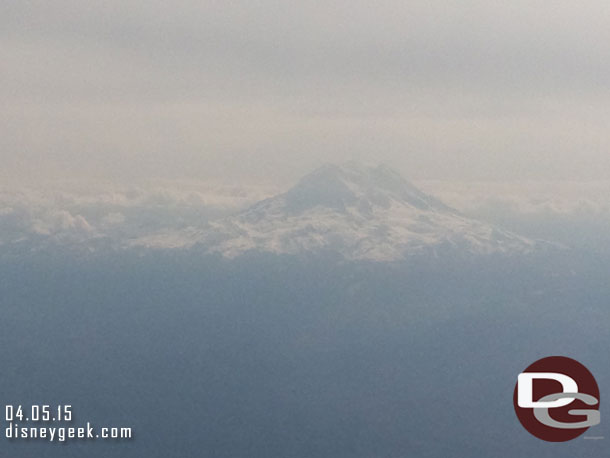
(350, 184)
(358, 211)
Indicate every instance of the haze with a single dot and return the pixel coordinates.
(266, 90)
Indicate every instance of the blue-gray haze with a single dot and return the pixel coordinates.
(270, 356)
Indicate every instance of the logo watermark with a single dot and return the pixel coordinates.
(557, 399)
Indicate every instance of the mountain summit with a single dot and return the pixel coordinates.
(360, 212)
(353, 184)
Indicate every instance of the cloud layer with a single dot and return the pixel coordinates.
(72, 215)
(86, 215)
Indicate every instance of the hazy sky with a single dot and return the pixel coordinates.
(267, 90)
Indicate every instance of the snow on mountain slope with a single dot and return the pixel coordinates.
(360, 212)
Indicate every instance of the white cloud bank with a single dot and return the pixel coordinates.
(75, 214)
(526, 197)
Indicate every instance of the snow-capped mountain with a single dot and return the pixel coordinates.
(361, 212)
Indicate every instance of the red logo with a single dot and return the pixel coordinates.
(557, 399)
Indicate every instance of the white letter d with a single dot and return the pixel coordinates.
(525, 383)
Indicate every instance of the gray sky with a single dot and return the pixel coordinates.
(266, 90)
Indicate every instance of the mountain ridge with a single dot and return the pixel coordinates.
(358, 211)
